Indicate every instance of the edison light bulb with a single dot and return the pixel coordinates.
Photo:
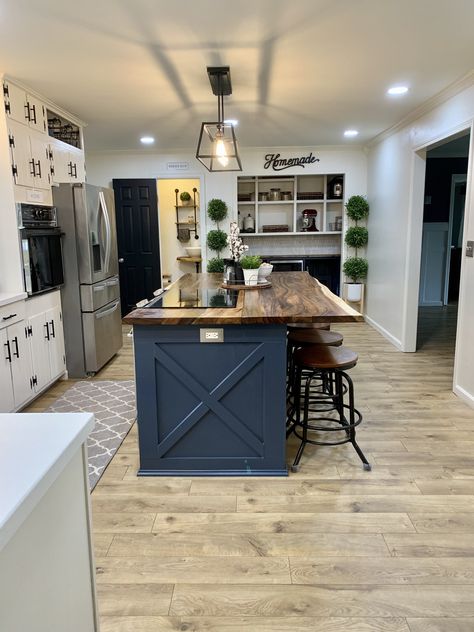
(221, 152)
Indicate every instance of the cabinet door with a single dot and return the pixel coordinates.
(21, 363)
(40, 156)
(22, 160)
(37, 114)
(40, 350)
(7, 402)
(61, 162)
(15, 103)
(56, 342)
(78, 172)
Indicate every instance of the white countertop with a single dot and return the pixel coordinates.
(8, 297)
(34, 449)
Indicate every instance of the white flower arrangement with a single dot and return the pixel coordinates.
(234, 241)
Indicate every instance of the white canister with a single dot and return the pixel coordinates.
(249, 223)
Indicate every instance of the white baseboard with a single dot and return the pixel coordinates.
(386, 334)
(464, 395)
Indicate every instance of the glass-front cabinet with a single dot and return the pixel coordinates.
(292, 205)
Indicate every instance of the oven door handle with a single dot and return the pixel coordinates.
(25, 249)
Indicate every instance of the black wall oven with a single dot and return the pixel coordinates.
(40, 239)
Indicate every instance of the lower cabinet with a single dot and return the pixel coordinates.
(45, 333)
(32, 349)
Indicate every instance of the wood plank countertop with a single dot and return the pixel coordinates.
(295, 297)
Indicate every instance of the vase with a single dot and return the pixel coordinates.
(238, 274)
(251, 276)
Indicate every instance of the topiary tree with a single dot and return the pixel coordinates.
(217, 210)
(356, 237)
(215, 265)
(216, 240)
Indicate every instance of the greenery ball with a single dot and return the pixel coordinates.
(184, 196)
(217, 210)
(357, 207)
(357, 236)
(215, 265)
(356, 268)
(216, 240)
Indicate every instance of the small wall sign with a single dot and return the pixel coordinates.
(276, 163)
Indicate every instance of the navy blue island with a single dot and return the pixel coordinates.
(211, 373)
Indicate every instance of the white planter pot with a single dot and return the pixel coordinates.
(354, 292)
(251, 276)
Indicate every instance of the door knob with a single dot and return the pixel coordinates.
(121, 260)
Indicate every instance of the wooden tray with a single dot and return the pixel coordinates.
(241, 286)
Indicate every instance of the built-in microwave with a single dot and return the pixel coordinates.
(40, 240)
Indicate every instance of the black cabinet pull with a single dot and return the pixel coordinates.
(47, 331)
(39, 168)
(33, 111)
(27, 111)
(8, 317)
(69, 169)
(15, 342)
(53, 334)
(9, 355)
(32, 167)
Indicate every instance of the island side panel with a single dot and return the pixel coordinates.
(211, 408)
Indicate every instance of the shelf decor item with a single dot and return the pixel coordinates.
(215, 265)
(356, 268)
(250, 265)
(185, 198)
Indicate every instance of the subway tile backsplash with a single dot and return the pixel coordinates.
(294, 245)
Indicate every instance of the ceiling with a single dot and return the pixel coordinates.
(302, 71)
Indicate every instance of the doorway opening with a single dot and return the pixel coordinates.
(441, 252)
(180, 227)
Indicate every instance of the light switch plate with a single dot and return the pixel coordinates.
(211, 335)
(470, 249)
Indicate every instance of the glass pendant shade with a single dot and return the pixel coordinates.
(217, 147)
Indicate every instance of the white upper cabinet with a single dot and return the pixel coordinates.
(67, 163)
(24, 108)
(30, 157)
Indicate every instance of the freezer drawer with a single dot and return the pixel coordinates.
(99, 294)
(102, 335)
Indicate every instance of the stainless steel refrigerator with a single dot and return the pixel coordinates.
(91, 292)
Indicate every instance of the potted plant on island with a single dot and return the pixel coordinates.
(356, 268)
(250, 265)
(185, 198)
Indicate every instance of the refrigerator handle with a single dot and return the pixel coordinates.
(108, 230)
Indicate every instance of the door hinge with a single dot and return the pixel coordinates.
(7, 107)
(64, 360)
(31, 383)
(14, 170)
(51, 170)
(11, 140)
(6, 93)
(29, 331)
(35, 380)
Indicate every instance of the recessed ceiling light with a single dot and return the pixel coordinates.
(395, 90)
(147, 140)
(233, 122)
(349, 133)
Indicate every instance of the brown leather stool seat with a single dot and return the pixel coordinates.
(318, 389)
(304, 337)
(324, 326)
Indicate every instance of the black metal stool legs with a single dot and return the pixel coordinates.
(352, 425)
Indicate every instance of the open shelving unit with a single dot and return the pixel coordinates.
(300, 193)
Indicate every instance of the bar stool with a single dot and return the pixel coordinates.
(327, 365)
(324, 326)
(302, 338)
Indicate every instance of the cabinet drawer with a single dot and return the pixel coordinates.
(12, 313)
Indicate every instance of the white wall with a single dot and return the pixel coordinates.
(102, 167)
(395, 189)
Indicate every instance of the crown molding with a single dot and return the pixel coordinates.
(438, 99)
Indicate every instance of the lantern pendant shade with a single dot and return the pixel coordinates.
(217, 148)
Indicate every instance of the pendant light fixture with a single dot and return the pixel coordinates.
(217, 147)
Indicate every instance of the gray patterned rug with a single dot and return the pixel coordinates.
(113, 404)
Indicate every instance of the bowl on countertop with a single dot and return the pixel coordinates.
(264, 271)
(194, 251)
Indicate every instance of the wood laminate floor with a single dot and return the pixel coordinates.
(330, 549)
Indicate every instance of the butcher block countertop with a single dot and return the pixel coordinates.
(295, 297)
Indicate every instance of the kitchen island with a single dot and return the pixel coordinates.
(211, 373)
